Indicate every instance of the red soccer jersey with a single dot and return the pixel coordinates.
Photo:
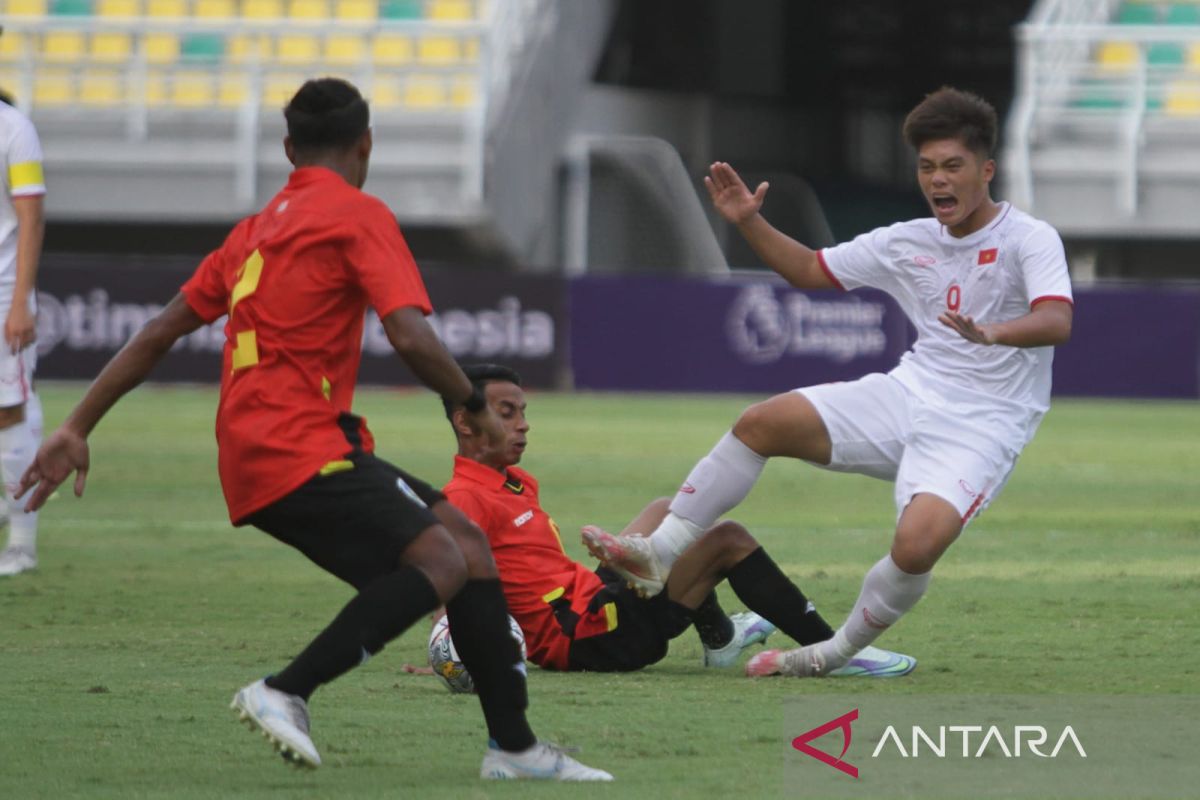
(296, 279)
(547, 592)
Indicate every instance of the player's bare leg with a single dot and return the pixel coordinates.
(927, 528)
(785, 425)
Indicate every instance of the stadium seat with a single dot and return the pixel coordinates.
(463, 92)
(1183, 99)
(1137, 14)
(26, 8)
(308, 9)
(111, 47)
(297, 49)
(391, 49)
(101, 88)
(1193, 61)
(278, 88)
(450, 10)
(53, 88)
(118, 8)
(192, 89)
(249, 48)
(1183, 14)
(384, 94)
(424, 91)
(356, 9)
(1165, 54)
(12, 46)
(345, 49)
(161, 48)
(1118, 56)
(63, 46)
(166, 8)
(202, 47)
(401, 9)
(71, 8)
(214, 9)
(262, 9)
(438, 50)
(233, 89)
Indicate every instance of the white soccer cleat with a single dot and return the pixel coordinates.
(631, 557)
(543, 761)
(802, 662)
(872, 662)
(15, 560)
(282, 718)
(748, 629)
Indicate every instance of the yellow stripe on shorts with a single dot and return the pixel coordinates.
(22, 176)
(550, 597)
(336, 466)
(610, 614)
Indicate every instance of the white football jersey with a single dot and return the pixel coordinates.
(21, 171)
(996, 274)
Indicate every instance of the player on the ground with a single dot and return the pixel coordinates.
(577, 619)
(987, 289)
(21, 228)
(295, 280)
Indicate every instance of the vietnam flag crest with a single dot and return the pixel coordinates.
(988, 256)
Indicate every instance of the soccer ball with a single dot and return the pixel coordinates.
(443, 656)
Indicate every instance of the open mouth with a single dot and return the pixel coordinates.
(945, 203)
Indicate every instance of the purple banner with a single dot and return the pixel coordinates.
(89, 309)
(746, 335)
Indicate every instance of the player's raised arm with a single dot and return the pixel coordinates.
(733, 200)
(1046, 325)
(66, 450)
(414, 340)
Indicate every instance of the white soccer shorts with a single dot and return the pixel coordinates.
(879, 428)
(16, 375)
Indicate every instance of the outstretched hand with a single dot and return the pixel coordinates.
(730, 195)
(60, 455)
(967, 328)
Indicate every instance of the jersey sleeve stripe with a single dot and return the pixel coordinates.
(828, 272)
(26, 178)
(1060, 298)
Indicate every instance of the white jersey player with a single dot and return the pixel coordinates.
(986, 287)
(21, 226)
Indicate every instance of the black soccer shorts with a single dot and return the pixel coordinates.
(353, 523)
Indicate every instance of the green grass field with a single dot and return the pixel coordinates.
(119, 655)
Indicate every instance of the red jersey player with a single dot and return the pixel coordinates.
(295, 280)
(578, 619)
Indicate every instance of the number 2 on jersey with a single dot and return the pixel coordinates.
(953, 297)
(245, 351)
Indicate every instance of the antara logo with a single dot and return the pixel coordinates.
(801, 743)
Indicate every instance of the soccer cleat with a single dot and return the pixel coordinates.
(748, 629)
(15, 560)
(544, 761)
(631, 557)
(871, 662)
(282, 718)
(802, 662)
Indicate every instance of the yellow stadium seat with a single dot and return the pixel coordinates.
(118, 8)
(53, 88)
(297, 49)
(390, 49)
(250, 47)
(308, 9)
(462, 91)
(450, 10)
(233, 90)
(154, 92)
(166, 8)
(1118, 55)
(345, 49)
(471, 50)
(424, 91)
(214, 9)
(1183, 99)
(12, 46)
(103, 88)
(356, 9)
(63, 46)
(262, 9)
(384, 94)
(192, 89)
(161, 48)
(1193, 61)
(437, 50)
(111, 46)
(26, 8)
(278, 89)
(10, 79)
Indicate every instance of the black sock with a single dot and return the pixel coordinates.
(763, 587)
(479, 624)
(714, 627)
(376, 615)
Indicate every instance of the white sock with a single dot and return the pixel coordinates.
(720, 481)
(887, 593)
(18, 446)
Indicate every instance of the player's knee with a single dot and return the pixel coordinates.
(915, 556)
(754, 425)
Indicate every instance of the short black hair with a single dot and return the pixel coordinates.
(6, 98)
(951, 113)
(480, 376)
(326, 114)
